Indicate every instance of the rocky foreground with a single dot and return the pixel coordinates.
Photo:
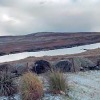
(45, 41)
(82, 86)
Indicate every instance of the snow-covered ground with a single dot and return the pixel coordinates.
(82, 86)
(85, 86)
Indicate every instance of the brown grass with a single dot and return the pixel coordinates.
(31, 87)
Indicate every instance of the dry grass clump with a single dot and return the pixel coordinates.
(31, 87)
(57, 82)
(7, 85)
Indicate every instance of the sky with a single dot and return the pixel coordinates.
(19, 17)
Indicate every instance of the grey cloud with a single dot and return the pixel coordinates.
(29, 16)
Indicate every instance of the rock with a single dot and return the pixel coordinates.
(64, 66)
(84, 64)
(92, 68)
(7, 68)
(98, 67)
(98, 64)
(2, 53)
(81, 69)
(20, 69)
(41, 66)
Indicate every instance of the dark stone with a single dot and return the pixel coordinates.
(98, 67)
(98, 64)
(13, 52)
(93, 68)
(82, 69)
(15, 72)
(64, 66)
(2, 53)
(41, 66)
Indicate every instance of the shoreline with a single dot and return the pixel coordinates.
(47, 49)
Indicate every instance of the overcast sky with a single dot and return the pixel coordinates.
(18, 17)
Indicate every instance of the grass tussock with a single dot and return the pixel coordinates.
(31, 87)
(57, 82)
(7, 84)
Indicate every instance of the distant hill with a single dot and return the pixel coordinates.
(45, 41)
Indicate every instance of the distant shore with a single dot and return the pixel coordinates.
(45, 41)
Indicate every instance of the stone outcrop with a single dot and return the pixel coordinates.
(41, 66)
(64, 66)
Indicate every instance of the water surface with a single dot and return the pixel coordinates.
(73, 50)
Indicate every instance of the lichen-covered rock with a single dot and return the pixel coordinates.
(20, 68)
(84, 64)
(64, 66)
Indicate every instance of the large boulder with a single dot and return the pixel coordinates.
(41, 66)
(20, 68)
(84, 64)
(64, 66)
(15, 69)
